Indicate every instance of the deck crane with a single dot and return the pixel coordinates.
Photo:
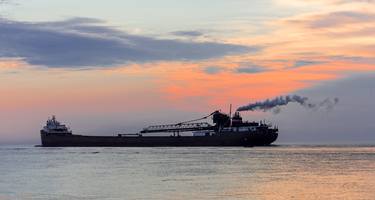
(182, 126)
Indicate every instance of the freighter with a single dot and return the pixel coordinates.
(226, 130)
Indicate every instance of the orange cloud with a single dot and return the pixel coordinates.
(11, 64)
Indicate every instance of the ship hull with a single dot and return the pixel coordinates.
(222, 139)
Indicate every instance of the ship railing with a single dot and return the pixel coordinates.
(129, 135)
(181, 127)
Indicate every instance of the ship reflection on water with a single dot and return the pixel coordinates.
(278, 172)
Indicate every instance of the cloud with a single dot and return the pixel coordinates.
(340, 18)
(4, 1)
(252, 69)
(213, 70)
(86, 42)
(188, 33)
(305, 3)
(354, 1)
(10, 64)
(336, 23)
(355, 59)
(302, 63)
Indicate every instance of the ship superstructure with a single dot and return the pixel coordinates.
(226, 130)
(54, 127)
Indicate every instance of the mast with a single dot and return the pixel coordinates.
(230, 115)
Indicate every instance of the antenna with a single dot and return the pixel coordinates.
(230, 110)
(230, 115)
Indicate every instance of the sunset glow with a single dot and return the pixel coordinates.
(66, 63)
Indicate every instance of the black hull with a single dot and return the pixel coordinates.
(222, 139)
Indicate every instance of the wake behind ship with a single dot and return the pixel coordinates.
(225, 131)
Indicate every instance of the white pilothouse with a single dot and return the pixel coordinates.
(54, 127)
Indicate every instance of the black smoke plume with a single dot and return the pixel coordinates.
(276, 103)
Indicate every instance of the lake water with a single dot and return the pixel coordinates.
(278, 172)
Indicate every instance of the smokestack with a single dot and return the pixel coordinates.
(276, 103)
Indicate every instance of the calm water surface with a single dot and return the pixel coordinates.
(281, 172)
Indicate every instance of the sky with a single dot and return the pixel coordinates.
(108, 66)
